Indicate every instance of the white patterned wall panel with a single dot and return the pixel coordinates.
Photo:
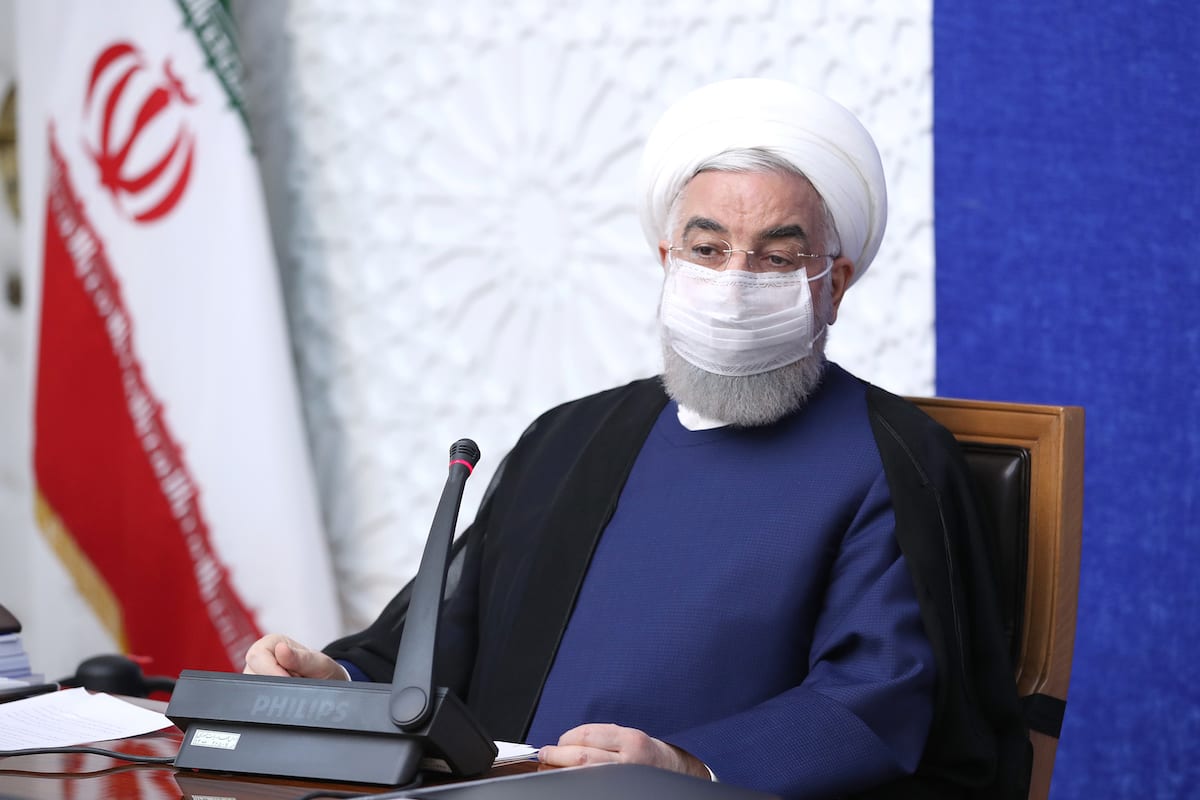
(452, 188)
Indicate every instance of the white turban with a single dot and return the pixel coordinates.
(820, 138)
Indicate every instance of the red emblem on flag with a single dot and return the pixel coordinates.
(142, 147)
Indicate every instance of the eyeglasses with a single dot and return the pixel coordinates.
(716, 253)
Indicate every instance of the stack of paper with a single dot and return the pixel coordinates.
(14, 661)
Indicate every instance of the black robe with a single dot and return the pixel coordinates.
(566, 473)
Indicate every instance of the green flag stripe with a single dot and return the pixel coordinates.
(213, 26)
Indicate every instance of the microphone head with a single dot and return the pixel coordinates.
(464, 450)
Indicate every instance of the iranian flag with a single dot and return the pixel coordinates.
(171, 472)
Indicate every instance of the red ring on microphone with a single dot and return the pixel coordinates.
(467, 464)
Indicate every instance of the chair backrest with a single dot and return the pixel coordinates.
(1027, 461)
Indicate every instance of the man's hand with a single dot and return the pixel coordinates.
(275, 654)
(600, 744)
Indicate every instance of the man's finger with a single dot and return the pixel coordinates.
(261, 659)
(301, 662)
(600, 735)
(575, 756)
(290, 656)
(261, 665)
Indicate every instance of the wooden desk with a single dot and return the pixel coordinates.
(90, 777)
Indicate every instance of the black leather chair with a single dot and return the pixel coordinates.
(1027, 461)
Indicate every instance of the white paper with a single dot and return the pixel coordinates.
(509, 752)
(506, 753)
(71, 717)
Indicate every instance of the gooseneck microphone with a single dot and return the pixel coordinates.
(345, 731)
(412, 682)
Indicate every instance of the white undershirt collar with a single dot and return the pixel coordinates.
(695, 421)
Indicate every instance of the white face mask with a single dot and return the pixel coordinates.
(738, 323)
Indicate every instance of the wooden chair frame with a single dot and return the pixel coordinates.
(1053, 436)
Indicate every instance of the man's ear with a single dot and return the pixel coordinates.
(663, 248)
(840, 276)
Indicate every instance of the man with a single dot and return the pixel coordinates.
(758, 566)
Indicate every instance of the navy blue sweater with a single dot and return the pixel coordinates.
(749, 584)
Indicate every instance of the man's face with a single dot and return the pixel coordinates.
(758, 211)
(762, 212)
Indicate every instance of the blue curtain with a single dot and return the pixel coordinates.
(1067, 206)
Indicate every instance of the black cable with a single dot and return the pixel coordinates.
(38, 751)
(66, 776)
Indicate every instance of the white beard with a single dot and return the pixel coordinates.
(744, 400)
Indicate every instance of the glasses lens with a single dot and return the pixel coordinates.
(712, 253)
(778, 261)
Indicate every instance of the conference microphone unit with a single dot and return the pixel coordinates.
(355, 732)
